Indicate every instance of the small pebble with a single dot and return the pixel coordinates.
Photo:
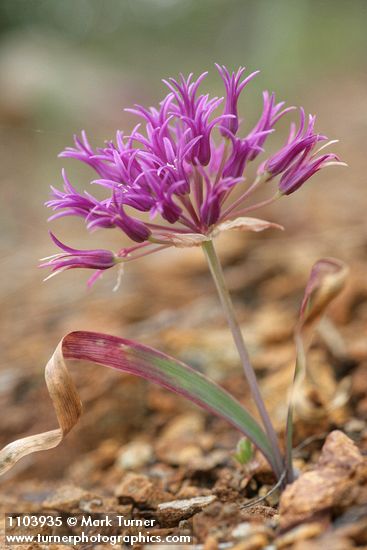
(301, 532)
(176, 510)
(134, 455)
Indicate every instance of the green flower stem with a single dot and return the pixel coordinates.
(217, 274)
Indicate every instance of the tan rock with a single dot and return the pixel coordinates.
(359, 380)
(353, 525)
(190, 491)
(247, 531)
(183, 426)
(340, 452)
(68, 497)
(178, 443)
(134, 455)
(210, 543)
(256, 541)
(140, 490)
(173, 511)
(216, 519)
(302, 532)
(338, 480)
(331, 542)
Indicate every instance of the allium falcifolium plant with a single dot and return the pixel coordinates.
(178, 179)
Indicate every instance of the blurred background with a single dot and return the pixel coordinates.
(71, 65)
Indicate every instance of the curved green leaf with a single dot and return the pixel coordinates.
(139, 360)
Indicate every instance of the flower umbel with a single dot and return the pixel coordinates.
(183, 163)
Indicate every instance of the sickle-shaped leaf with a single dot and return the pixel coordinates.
(136, 359)
(326, 280)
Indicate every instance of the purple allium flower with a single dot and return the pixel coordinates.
(182, 163)
(234, 87)
(72, 258)
(297, 159)
(296, 144)
(301, 170)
